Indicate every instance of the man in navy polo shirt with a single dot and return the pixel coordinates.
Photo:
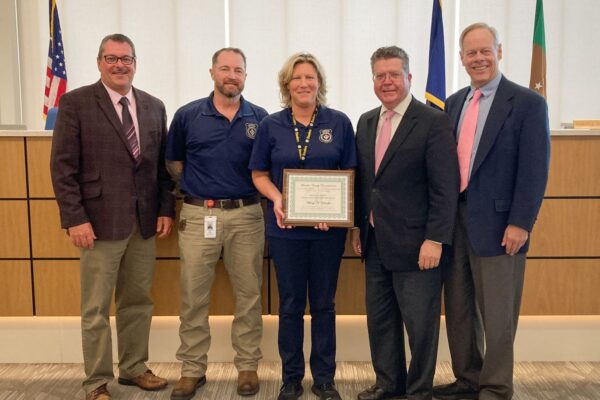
(208, 149)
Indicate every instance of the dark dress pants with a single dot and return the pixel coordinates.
(307, 266)
(482, 299)
(396, 300)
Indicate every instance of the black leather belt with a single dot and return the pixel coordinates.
(462, 197)
(225, 204)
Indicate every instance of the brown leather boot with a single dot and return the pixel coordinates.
(185, 389)
(248, 383)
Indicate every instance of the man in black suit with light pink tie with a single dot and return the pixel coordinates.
(406, 193)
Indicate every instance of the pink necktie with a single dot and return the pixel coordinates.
(384, 137)
(381, 145)
(466, 138)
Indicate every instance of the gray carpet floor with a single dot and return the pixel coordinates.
(544, 381)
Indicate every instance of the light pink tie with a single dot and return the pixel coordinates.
(384, 137)
(381, 145)
(466, 139)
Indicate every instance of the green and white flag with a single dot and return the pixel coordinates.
(537, 81)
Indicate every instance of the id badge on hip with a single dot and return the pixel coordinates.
(210, 226)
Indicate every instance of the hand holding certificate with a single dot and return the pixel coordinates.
(314, 196)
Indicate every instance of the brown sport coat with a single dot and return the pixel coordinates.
(94, 174)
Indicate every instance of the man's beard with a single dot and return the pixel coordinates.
(230, 92)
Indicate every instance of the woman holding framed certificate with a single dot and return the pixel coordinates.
(304, 135)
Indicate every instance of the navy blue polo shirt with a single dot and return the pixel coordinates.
(331, 146)
(215, 152)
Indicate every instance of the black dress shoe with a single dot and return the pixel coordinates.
(326, 391)
(457, 390)
(377, 393)
(290, 391)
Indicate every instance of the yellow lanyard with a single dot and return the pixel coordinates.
(303, 149)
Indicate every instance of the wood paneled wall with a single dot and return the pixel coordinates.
(39, 268)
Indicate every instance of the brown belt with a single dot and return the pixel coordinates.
(225, 204)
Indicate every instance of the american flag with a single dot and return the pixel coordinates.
(56, 72)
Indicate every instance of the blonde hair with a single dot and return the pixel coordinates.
(286, 72)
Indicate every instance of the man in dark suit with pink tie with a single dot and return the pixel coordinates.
(114, 195)
(503, 150)
(406, 191)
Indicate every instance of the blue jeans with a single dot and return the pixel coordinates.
(307, 266)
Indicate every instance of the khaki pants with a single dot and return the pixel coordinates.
(240, 235)
(127, 268)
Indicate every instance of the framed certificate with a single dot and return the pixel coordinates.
(311, 196)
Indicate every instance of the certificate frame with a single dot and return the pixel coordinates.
(311, 196)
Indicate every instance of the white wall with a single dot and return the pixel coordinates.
(10, 110)
(175, 40)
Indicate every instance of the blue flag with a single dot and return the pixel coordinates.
(435, 91)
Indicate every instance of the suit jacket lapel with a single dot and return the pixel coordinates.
(407, 124)
(501, 107)
(108, 109)
(142, 112)
(370, 142)
(455, 112)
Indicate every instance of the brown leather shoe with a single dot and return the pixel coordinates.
(248, 383)
(100, 393)
(185, 389)
(146, 381)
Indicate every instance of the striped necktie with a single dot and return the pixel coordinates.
(129, 129)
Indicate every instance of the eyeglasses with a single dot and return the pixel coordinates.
(395, 76)
(126, 60)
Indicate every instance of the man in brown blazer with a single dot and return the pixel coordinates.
(114, 196)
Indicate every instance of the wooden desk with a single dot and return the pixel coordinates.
(37, 260)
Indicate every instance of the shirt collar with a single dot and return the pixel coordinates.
(323, 115)
(210, 109)
(115, 96)
(489, 88)
(400, 108)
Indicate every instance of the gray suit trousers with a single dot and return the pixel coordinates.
(482, 298)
